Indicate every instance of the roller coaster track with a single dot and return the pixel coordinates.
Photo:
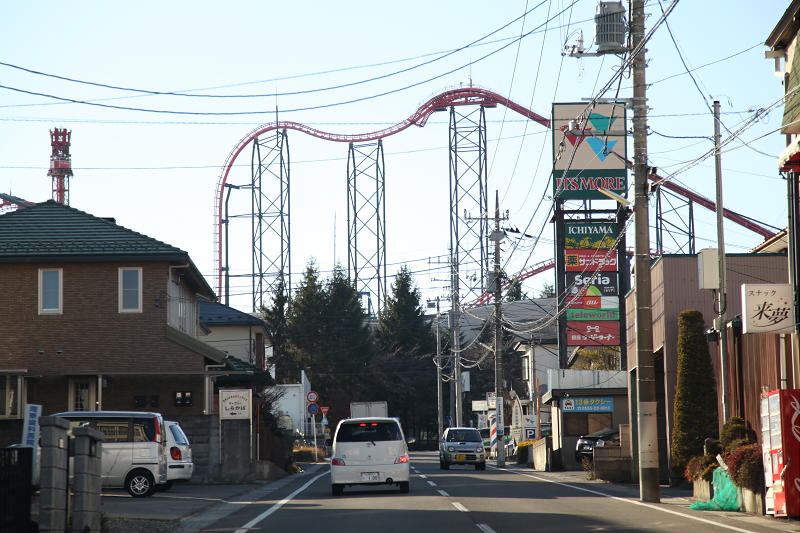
(454, 97)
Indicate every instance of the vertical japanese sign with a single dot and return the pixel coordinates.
(588, 150)
(767, 308)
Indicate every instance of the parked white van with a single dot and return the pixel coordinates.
(369, 451)
(134, 448)
(179, 455)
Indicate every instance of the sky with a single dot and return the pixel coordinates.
(357, 66)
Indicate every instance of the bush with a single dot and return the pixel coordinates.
(305, 454)
(733, 433)
(700, 467)
(746, 467)
(695, 403)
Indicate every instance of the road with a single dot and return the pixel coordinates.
(464, 500)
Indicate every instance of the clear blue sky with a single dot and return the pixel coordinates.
(156, 173)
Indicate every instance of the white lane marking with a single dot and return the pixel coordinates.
(485, 528)
(278, 505)
(443, 493)
(431, 483)
(634, 502)
(460, 507)
(423, 476)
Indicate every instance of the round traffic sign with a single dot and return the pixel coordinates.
(312, 396)
(312, 408)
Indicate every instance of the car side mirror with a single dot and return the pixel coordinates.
(411, 440)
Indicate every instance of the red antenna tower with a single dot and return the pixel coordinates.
(60, 164)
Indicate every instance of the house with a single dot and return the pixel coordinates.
(97, 316)
(240, 335)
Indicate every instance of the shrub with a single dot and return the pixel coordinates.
(700, 467)
(734, 431)
(695, 404)
(305, 454)
(746, 467)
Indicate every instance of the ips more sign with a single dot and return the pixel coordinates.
(235, 404)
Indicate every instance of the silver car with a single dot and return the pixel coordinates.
(462, 446)
(179, 455)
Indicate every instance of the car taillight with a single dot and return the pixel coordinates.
(175, 452)
(401, 459)
(337, 462)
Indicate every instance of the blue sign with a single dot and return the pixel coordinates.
(30, 426)
(312, 409)
(588, 404)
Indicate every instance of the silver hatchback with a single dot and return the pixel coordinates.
(462, 446)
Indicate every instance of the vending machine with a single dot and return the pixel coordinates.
(780, 443)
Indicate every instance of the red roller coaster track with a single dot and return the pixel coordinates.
(440, 102)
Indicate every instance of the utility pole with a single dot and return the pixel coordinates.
(722, 298)
(497, 236)
(646, 402)
(439, 399)
(455, 326)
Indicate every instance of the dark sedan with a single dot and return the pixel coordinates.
(584, 448)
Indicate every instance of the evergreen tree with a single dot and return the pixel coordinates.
(287, 369)
(548, 290)
(403, 366)
(695, 404)
(514, 293)
(306, 321)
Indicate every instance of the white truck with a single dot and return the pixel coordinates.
(362, 409)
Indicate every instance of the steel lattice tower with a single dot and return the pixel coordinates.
(674, 221)
(60, 164)
(468, 203)
(366, 223)
(270, 221)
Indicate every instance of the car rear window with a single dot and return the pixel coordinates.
(463, 435)
(368, 432)
(178, 435)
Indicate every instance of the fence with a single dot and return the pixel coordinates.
(16, 465)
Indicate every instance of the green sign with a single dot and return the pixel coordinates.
(589, 235)
(592, 314)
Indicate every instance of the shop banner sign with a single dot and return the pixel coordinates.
(592, 314)
(597, 284)
(767, 308)
(601, 404)
(587, 157)
(590, 235)
(593, 302)
(592, 333)
(590, 261)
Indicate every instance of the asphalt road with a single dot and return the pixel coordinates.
(461, 499)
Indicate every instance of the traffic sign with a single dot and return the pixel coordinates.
(324, 410)
(312, 409)
(312, 396)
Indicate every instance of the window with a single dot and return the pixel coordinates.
(130, 290)
(577, 424)
(82, 394)
(9, 396)
(114, 429)
(368, 432)
(50, 291)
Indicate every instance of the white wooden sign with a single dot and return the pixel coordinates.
(235, 404)
(767, 308)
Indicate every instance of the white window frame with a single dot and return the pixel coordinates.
(91, 385)
(15, 395)
(120, 287)
(60, 309)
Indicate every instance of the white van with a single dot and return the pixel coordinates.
(179, 455)
(369, 451)
(134, 448)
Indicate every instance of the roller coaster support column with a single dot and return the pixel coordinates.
(366, 223)
(270, 220)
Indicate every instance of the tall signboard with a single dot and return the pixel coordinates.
(590, 160)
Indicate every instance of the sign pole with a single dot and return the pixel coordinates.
(314, 430)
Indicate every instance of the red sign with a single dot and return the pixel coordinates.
(590, 260)
(312, 396)
(324, 410)
(590, 333)
(312, 408)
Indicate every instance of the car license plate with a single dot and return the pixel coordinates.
(369, 476)
(460, 457)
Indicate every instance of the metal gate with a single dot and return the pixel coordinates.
(16, 465)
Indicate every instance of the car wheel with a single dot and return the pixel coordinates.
(337, 489)
(404, 487)
(140, 484)
(164, 486)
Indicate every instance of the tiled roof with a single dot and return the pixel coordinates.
(217, 314)
(53, 230)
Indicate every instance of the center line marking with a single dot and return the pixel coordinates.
(460, 507)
